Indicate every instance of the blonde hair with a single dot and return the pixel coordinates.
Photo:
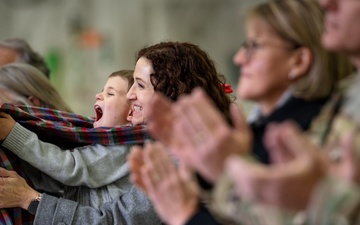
(23, 81)
(300, 22)
(126, 74)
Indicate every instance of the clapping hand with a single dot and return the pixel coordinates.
(172, 190)
(287, 183)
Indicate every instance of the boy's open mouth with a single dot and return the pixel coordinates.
(99, 112)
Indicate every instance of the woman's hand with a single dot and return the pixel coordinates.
(290, 180)
(206, 140)
(197, 134)
(14, 191)
(348, 167)
(161, 120)
(6, 125)
(173, 191)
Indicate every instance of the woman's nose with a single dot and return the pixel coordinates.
(240, 57)
(131, 94)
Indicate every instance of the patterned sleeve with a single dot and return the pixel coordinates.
(229, 208)
(334, 202)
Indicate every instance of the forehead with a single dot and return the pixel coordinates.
(143, 69)
(7, 55)
(257, 27)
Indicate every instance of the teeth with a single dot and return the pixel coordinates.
(97, 108)
(99, 112)
(137, 108)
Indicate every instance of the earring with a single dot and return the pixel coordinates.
(292, 76)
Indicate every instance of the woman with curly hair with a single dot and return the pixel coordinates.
(174, 69)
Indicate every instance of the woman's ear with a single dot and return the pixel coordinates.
(35, 101)
(129, 116)
(301, 63)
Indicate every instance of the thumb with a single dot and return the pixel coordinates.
(237, 166)
(293, 141)
(246, 175)
(185, 171)
(233, 165)
(349, 157)
(348, 148)
(4, 172)
(238, 117)
(4, 115)
(187, 177)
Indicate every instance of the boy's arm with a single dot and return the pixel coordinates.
(42, 181)
(92, 166)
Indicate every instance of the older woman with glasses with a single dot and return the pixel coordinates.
(284, 69)
(289, 76)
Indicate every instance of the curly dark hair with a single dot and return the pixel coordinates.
(179, 67)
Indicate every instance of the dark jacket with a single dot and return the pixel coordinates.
(301, 111)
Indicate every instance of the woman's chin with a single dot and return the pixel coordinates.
(246, 95)
(139, 121)
(331, 42)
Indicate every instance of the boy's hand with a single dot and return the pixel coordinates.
(6, 124)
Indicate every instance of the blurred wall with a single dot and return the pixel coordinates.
(85, 40)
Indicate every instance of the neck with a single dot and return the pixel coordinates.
(267, 108)
(269, 105)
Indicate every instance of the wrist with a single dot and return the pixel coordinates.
(185, 215)
(32, 208)
(30, 197)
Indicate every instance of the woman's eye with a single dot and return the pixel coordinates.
(140, 85)
(110, 94)
(256, 45)
(253, 44)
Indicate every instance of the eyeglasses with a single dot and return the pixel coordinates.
(250, 47)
